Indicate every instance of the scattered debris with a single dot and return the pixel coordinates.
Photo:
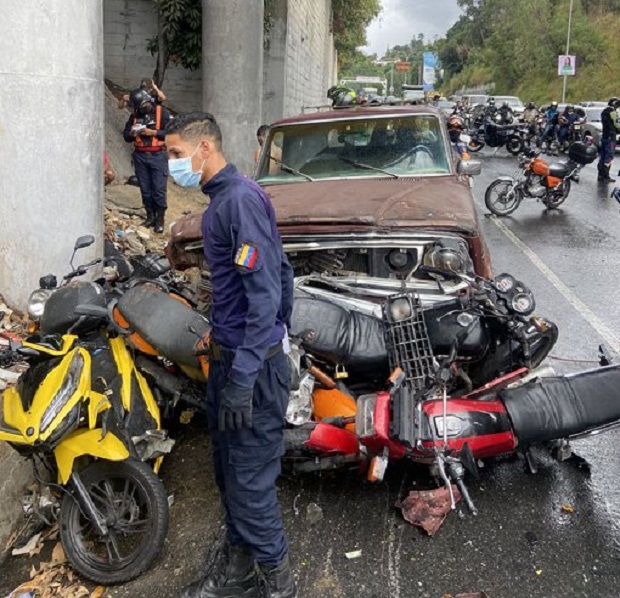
(12, 320)
(32, 547)
(170, 500)
(566, 508)
(314, 513)
(355, 554)
(428, 508)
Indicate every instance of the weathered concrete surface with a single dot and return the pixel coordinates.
(232, 67)
(51, 138)
(14, 477)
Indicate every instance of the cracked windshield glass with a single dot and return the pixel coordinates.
(367, 147)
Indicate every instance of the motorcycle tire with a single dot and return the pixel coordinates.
(555, 201)
(515, 145)
(501, 204)
(133, 501)
(475, 146)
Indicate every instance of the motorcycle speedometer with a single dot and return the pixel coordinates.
(505, 283)
(523, 303)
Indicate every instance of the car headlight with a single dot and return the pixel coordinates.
(399, 308)
(449, 256)
(64, 393)
(37, 301)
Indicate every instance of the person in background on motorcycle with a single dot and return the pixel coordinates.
(608, 140)
(342, 97)
(567, 120)
(505, 114)
(145, 128)
(529, 117)
(551, 122)
(455, 128)
(247, 393)
(490, 109)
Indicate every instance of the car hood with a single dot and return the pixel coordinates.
(442, 202)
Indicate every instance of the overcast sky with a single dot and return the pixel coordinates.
(401, 20)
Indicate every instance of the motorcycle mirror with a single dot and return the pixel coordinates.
(84, 241)
(469, 167)
(91, 310)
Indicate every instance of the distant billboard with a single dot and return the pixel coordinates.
(566, 65)
(429, 70)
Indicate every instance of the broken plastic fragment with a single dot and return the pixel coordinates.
(355, 554)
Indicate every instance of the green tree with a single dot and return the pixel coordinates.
(350, 20)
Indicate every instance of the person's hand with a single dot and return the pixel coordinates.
(154, 85)
(148, 133)
(235, 410)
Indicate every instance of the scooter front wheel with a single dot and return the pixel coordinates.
(502, 197)
(132, 501)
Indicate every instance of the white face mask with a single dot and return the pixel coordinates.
(181, 171)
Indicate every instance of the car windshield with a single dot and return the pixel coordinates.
(391, 146)
(593, 114)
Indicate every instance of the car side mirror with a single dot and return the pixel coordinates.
(85, 241)
(469, 167)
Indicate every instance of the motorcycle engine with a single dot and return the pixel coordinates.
(535, 189)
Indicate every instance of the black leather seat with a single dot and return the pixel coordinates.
(560, 170)
(164, 323)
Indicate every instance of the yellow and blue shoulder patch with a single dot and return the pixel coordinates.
(247, 256)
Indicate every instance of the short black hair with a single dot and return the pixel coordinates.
(262, 130)
(194, 125)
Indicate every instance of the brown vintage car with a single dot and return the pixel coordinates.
(364, 197)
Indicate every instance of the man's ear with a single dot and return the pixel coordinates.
(205, 149)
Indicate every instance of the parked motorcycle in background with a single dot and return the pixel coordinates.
(549, 183)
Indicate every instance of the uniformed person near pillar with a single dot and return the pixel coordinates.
(145, 128)
(249, 374)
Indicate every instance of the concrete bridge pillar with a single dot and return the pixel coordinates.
(232, 73)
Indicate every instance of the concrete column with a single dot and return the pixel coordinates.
(51, 138)
(274, 83)
(232, 79)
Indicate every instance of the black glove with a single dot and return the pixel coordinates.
(235, 407)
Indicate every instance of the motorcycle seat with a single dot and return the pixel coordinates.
(344, 337)
(560, 170)
(164, 322)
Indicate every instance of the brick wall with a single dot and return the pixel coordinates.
(309, 54)
(127, 27)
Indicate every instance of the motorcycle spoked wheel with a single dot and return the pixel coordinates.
(134, 504)
(515, 145)
(501, 198)
(555, 199)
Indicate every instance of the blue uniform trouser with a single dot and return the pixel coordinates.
(247, 461)
(606, 152)
(152, 172)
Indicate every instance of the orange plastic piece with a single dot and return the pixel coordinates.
(134, 339)
(553, 182)
(334, 403)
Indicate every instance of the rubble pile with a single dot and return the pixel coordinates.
(12, 321)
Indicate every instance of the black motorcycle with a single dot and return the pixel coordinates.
(511, 136)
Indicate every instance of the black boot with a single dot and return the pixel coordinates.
(608, 175)
(234, 578)
(150, 219)
(280, 581)
(159, 221)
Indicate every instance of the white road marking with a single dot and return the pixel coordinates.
(604, 331)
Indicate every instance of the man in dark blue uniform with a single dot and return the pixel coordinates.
(249, 373)
(608, 140)
(145, 128)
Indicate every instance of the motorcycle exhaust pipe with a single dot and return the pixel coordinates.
(561, 407)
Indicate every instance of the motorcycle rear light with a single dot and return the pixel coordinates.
(365, 416)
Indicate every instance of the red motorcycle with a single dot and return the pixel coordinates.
(458, 389)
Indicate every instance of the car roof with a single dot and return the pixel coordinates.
(357, 112)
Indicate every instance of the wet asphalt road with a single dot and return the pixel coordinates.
(521, 544)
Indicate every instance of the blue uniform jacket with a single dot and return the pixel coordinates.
(251, 277)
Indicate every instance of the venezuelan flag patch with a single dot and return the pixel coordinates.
(247, 256)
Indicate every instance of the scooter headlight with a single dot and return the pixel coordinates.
(64, 393)
(37, 301)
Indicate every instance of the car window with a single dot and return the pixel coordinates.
(409, 145)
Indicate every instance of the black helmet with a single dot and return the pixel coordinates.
(341, 97)
(614, 102)
(139, 98)
(570, 108)
(531, 105)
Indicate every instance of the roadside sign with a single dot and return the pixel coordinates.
(566, 65)
(402, 66)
